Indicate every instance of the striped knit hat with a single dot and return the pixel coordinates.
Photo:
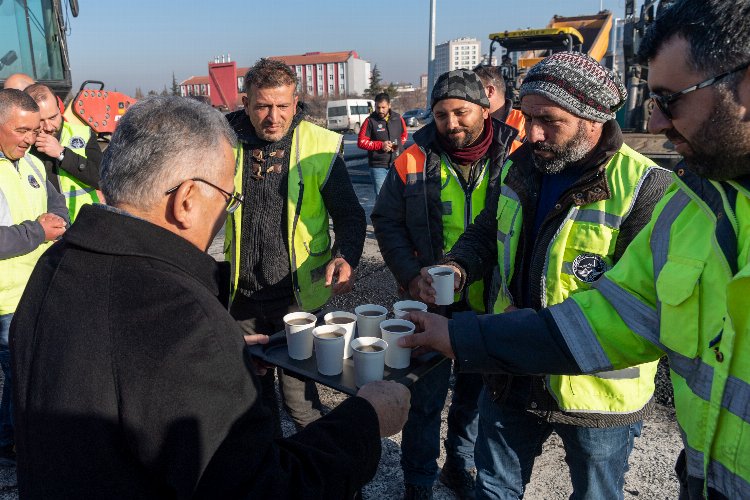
(460, 84)
(578, 83)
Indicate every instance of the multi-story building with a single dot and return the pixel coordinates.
(331, 74)
(326, 74)
(461, 53)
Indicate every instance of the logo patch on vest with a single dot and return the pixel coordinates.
(33, 182)
(77, 142)
(588, 267)
(380, 126)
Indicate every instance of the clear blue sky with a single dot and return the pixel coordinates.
(139, 43)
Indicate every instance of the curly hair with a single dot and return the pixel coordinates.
(270, 73)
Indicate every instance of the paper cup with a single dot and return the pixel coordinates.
(404, 307)
(368, 325)
(392, 329)
(299, 339)
(442, 282)
(369, 359)
(348, 322)
(329, 348)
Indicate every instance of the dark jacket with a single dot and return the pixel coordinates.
(85, 169)
(408, 218)
(477, 249)
(138, 385)
(375, 131)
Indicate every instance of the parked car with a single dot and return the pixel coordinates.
(348, 114)
(415, 117)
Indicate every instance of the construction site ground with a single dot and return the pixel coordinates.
(651, 474)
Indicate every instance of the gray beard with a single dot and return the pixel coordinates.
(565, 155)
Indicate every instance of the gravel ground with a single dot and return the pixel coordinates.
(651, 474)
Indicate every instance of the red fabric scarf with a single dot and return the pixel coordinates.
(470, 154)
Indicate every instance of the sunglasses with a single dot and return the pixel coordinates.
(233, 202)
(663, 102)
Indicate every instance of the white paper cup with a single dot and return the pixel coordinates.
(350, 327)
(329, 348)
(369, 326)
(392, 329)
(368, 366)
(442, 282)
(299, 339)
(404, 307)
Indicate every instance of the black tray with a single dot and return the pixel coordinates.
(275, 353)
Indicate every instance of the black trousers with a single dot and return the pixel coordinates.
(300, 396)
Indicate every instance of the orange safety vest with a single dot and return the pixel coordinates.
(517, 121)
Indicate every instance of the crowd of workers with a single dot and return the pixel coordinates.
(578, 263)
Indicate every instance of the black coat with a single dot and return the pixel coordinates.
(132, 381)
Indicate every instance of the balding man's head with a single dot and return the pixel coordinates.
(18, 81)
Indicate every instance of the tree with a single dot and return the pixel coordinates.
(138, 93)
(376, 85)
(165, 91)
(153, 92)
(175, 86)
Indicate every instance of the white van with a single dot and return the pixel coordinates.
(348, 114)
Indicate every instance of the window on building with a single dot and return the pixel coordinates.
(320, 77)
(330, 88)
(309, 89)
(330, 77)
(240, 83)
(203, 89)
(196, 89)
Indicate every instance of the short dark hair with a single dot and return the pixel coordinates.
(14, 98)
(383, 97)
(491, 75)
(270, 73)
(718, 32)
(39, 92)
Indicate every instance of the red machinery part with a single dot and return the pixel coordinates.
(101, 109)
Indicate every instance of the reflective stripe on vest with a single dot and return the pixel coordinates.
(580, 252)
(23, 197)
(313, 152)
(76, 193)
(459, 210)
(690, 273)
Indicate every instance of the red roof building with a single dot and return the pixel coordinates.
(328, 74)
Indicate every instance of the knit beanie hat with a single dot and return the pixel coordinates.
(578, 83)
(460, 84)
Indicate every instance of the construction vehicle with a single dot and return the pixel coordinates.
(591, 34)
(33, 39)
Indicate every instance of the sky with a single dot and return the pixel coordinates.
(140, 43)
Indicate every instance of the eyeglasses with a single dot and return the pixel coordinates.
(233, 203)
(663, 102)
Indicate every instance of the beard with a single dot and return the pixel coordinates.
(721, 147)
(575, 149)
(470, 135)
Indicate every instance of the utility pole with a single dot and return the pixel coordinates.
(431, 54)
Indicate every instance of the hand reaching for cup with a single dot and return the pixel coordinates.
(259, 366)
(391, 402)
(431, 334)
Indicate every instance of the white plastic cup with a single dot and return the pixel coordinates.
(396, 357)
(350, 327)
(369, 325)
(329, 348)
(369, 363)
(299, 339)
(404, 307)
(443, 283)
